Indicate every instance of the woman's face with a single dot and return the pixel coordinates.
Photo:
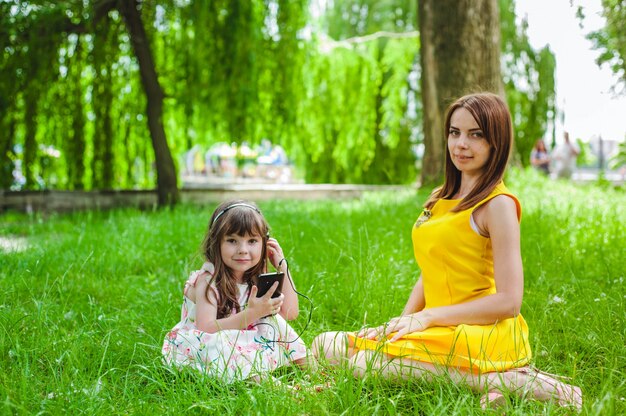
(467, 144)
(241, 253)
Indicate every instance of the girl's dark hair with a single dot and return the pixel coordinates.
(239, 220)
(494, 119)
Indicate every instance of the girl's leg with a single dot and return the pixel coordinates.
(309, 362)
(332, 347)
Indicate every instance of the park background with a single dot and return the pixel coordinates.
(111, 95)
(96, 96)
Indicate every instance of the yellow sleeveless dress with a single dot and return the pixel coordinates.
(457, 267)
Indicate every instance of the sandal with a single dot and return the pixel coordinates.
(492, 400)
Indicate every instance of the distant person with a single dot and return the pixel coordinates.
(540, 158)
(213, 160)
(225, 330)
(564, 156)
(462, 318)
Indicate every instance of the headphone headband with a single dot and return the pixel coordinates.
(239, 204)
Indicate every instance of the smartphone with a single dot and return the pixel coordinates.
(264, 281)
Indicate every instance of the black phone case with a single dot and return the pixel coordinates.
(263, 282)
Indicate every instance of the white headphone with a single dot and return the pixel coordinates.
(239, 204)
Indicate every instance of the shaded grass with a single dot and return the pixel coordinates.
(87, 303)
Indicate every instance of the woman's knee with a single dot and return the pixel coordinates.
(330, 345)
(361, 363)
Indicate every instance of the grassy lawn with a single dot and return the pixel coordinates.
(88, 297)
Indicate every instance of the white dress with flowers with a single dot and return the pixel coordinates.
(231, 354)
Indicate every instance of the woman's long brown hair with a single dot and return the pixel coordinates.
(494, 119)
(239, 220)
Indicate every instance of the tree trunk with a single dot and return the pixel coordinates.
(7, 139)
(167, 189)
(75, 148)
(30, 139)
(460, 54)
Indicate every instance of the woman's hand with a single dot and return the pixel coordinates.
(402, 325)
(406, 324)
(274, 252)
(372, 333)
(264, 305)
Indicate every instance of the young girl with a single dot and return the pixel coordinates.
(225, 330)
(462, 317)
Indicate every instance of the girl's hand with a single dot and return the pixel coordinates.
(274, 252)
(265, 305)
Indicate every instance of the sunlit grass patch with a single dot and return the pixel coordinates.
(86, 305)
(12, 244)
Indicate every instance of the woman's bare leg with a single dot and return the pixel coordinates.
(365, 362)
(333, 347)
(539, 386)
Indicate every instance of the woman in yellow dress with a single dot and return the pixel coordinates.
(463, 315)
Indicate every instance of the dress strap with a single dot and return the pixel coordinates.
(207, 269)
(500, 190)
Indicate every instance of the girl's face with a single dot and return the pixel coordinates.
(467, 144)
(240, 253)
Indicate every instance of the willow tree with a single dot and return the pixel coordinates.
(28, 63)
(529, 84)
(364, 131)
(103, 56)
(41, 51)
(344, 102)
(460, 53)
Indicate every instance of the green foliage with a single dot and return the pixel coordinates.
(231, 71)
(341, 105)
(529, 84)
(88, 298)
(586, 157)
(619, 160)
(397, 61)
(610, 40)
(350, 18)
(370, 97)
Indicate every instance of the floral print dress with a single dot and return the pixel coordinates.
(231, 354)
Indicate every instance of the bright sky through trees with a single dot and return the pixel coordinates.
(583, 89)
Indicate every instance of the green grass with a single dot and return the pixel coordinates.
(88, 301)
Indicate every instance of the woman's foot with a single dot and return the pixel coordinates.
(550, 387)
(568, 395)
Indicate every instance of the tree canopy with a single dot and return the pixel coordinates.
(337, 88)
(610, 40)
